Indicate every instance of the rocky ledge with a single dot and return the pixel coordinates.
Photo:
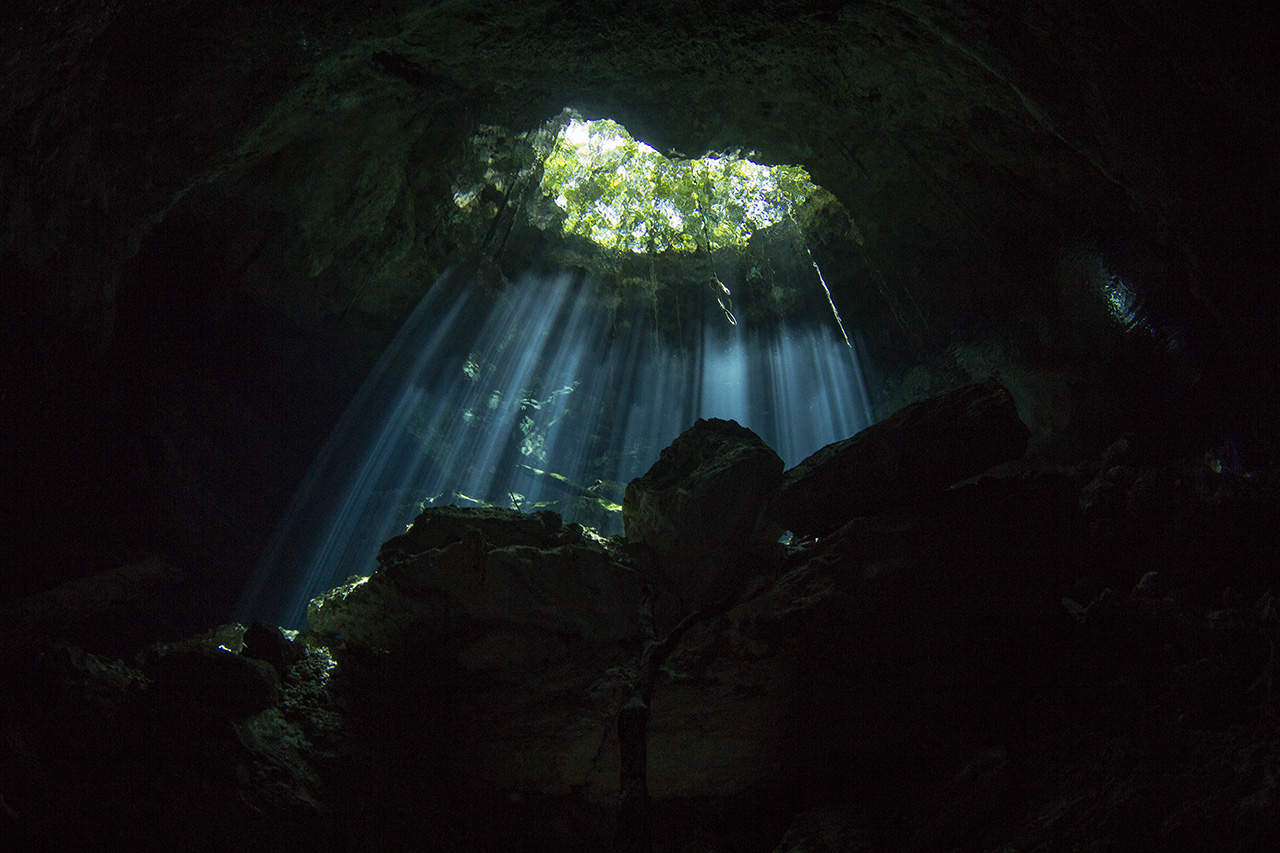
(944, 656)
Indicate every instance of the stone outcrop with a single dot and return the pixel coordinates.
(943, 675)
(456, 566)
(268, 643)
(913, 455)
(440, 527)
(701, 508)
(234, 682)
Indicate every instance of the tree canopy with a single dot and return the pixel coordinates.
(623, 195)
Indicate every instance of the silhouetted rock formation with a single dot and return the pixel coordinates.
(701, 508)
(914, 454)
(458, 570)
(942, 674)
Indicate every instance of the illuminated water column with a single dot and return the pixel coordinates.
(322, 536)
(725, 374)
(799, 387)
(818, 395)
(557, 426)
(542, 396)
(635, 396)
(521, 332)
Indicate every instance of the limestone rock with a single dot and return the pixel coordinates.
(438, 527)
(268, 643)
(219, 677)
(701, 505)
(917, 662)
(457, 569)
(914, 454)
(93, 747)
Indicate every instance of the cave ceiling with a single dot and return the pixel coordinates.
(961, 137)
(935, 123)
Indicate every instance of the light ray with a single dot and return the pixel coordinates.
(546, 396)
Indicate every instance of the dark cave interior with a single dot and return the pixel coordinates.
(218, 219)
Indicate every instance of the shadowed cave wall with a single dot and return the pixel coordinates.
(216, 216)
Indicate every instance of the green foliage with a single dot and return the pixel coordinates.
(624, 195)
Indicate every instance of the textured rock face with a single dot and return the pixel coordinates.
(497, 630)
(236, 682)
(440, 527)
(701, 505)
(918, 452)
(524, 572)
(529, 647)
(921, 664)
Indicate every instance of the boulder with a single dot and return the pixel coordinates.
(108, 607)
(701, 507)
(916, 453)
(471, 570)
(438, 527)
(923, 664)
(268, 643)
(218, 677)
(506, 633)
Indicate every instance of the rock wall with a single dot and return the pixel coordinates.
(1015, 661)
(215, 216)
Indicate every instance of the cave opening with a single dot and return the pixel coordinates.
(616, 297)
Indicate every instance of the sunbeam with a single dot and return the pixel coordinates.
(541, 398)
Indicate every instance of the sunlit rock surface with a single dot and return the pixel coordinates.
(493, 566)
(914, 454)
(529, 641)
(440, 527)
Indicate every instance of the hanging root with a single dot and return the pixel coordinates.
(834, 311)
